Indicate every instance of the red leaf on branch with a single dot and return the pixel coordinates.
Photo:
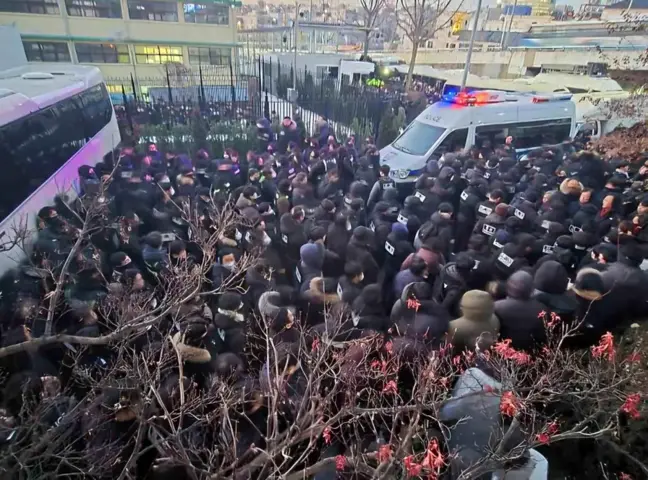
(634, 357)
(326, 434)
(389, 348)
(631, 405)
(413, 304)
(434, 459)
(509, 404)
(384, 453)
(543, 438)
(390, 387)
(315, 345)
(412, 468)
(340, 462)
(605, 348)
(624, 476)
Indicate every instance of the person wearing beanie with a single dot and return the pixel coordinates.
(477, 323)
(519, 314)
(311, 263)
(550, 284)
(320, 294)
(409, 215)
(361, 249)
(497, 241)
(339, 234)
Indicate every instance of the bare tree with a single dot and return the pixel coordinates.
(420, 20)
(371, 10)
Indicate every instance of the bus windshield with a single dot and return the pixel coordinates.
(418, 138)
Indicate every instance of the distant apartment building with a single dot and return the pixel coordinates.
(124, 37)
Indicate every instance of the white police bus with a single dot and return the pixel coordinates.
(466, 119)
(53, 119)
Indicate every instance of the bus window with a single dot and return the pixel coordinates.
(456, 140)
(544, 132)
(34, 147)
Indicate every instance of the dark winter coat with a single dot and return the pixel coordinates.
(519, 314)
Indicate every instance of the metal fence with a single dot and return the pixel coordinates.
(245, 91)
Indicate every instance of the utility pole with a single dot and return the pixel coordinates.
(296, 27)
(464, 78)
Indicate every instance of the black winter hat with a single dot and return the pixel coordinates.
(589, 284)
(230, 301)
(363, 235)
(551, 277)
(565, 241)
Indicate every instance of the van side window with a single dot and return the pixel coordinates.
(495, 134)
(543, 132)
(456, 140)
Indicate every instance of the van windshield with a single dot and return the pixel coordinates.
(418, 138)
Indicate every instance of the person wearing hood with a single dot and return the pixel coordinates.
(477, 324)
(594, 316)
(282, 197)
(323, 216)
(368, 312)
(508, 259)
(338, 235)
(350, 284)
(520, 315)
(429, 201)
(626, 283)
(397, 249)
(466, 215)
(361, 248)
(417, 316)
(431, 253)
(452, 282)
(311, 263)
(440, 226)
(271, 301)
(570, 191)
(409, 216)
(561, 251)
(302, 191)
(608, 216)
(550, 284)
(366, 175)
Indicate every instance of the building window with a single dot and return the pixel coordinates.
(94, 8)
(213, 13)
(153, 10)
(47, 51)
(158, 54)
(102, 53)
(209, 55)
(49, 7)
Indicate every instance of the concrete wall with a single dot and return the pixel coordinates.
(13, 55)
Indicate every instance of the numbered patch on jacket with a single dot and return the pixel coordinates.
(510, 188)
(519, 214)
(248, 237)
(372, 226)
(284, 238)
(545, 224)
(487, 175)
(580, 247)
(476, 265)
(402, 219)
(574, 229)
(389, 186)
(390, 248)
(484, 210)
(488, 230)
(505, 259)
(298, 275)
(339, 290)
(420, 196)
(547, 249)
(496, 244)
(464, 196)
(221, 334)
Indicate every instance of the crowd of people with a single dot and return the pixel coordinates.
(475, 251)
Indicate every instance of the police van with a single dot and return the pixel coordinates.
(466, 119)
